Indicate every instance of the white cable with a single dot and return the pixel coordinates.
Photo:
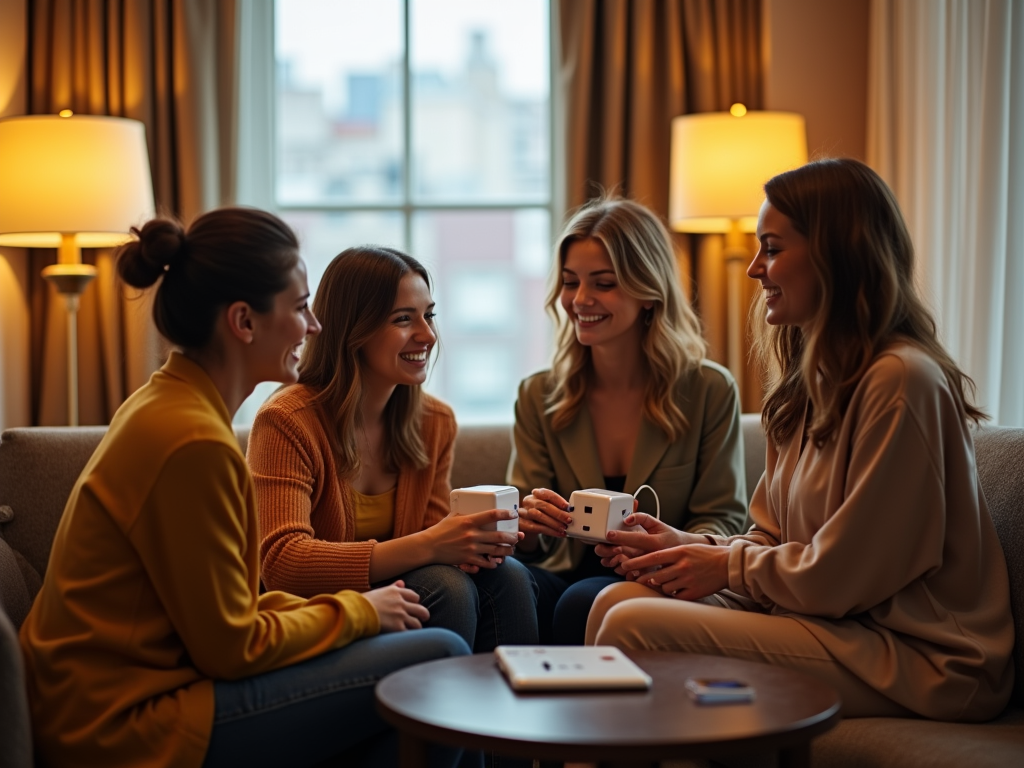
(657, 502)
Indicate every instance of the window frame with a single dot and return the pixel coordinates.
(408, 208)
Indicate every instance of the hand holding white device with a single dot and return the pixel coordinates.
(483, 498)
(595, 512)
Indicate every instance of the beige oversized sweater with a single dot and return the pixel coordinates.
(307, 517)
(880, 543)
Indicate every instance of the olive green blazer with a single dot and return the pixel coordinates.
(699, 478)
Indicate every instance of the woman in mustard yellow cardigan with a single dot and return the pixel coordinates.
(149, 643)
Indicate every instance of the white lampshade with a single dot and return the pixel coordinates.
(82, 175)
(720, 164)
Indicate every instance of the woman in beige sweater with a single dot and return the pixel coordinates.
(872, 562)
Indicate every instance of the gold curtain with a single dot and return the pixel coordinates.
(169, 64)
(627, 68)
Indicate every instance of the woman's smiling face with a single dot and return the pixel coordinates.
(600, 310)
(283, 330)
(783, 267)
(398, 351)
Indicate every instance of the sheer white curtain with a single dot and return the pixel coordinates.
(946, 130)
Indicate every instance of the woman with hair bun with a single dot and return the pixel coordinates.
(148, 643)
(353, 464)
(872, 562)
(629, 401)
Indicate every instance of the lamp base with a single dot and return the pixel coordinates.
(70, 279)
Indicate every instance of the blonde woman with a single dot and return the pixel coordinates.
(872, 562)
(630, 400)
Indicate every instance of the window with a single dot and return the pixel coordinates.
(425, 125)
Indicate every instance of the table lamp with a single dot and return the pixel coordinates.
(69, 182)
(720, 162)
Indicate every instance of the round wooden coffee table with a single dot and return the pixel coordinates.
(466, 702)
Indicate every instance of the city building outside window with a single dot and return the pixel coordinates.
(425, 125)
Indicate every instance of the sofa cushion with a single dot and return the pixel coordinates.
(15, 731)
(38, 468)
(482, 455)
(1000, 452)
(899, 743)
(14, 593)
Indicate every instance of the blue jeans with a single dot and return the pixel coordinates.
(563, 604)
(493, 607)
(323, 708)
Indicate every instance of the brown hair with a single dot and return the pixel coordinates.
(354, 300)
(863, 259)
(644, 261)
(225, 255)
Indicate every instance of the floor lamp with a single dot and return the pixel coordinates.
(72, 182)
(720, 162)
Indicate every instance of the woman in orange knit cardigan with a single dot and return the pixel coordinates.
(149, 644)
(353, 464)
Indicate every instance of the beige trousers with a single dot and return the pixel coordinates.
(636, 617)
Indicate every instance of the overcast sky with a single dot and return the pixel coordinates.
(323, 37)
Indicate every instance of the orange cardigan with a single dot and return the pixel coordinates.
(307, 519)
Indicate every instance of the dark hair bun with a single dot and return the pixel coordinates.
(142, 261)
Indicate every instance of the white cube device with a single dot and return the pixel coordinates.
(480, 498)
(595, 512)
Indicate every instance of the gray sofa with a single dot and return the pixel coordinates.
(39, 466)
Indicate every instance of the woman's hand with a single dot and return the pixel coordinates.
(543, 511)
(397, 608)
(613, 556)
(461, 540)
(688, 572)
(655, 535)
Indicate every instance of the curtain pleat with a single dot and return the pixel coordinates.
(170, 65)
(627, 68)
(945, 117)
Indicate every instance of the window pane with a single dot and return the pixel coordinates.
(479, 82)
(339, 101)
(323, 235)
(489, 271)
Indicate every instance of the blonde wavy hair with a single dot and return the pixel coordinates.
(645, 266)
(863, 261)
(354, 300)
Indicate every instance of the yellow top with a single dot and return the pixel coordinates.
(152, 589)
(375, 515)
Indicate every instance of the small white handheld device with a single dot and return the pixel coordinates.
(480, 498)
(596, 511)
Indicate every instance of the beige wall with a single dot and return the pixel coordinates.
(14, 329)
(817, 64)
